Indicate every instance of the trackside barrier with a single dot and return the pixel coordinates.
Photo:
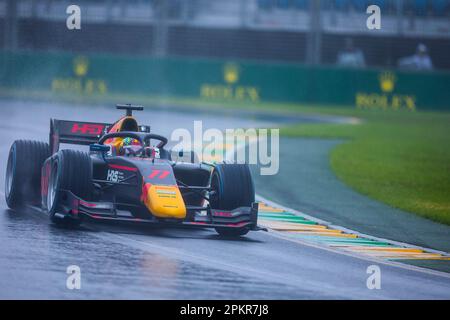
(221, 80)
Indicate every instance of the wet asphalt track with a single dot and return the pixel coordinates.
(120, 262)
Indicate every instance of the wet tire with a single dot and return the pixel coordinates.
(234, 188)
(71, 170)
(23, 172)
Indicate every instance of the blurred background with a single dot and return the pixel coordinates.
(302, 31)
(302, 35)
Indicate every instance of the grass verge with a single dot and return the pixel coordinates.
(402, 159)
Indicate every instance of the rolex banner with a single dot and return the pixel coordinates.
(222, 81)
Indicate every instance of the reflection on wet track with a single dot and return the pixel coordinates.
(41, 252)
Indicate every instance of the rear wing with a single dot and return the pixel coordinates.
(75, 132)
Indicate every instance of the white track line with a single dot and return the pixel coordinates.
(340, 251)
(281, 235)
(345, 230)
(390, 263)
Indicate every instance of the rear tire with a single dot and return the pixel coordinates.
(71, 171)
(234, 188)
(23, 172)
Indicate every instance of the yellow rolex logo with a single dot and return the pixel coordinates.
(80, 66)
(387, 81)
(231, 73)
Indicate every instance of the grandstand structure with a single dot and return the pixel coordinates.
(301, 31)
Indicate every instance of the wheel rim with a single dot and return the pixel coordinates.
(10, 168)
(51, 193)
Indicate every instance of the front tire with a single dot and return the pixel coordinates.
(234, 188)
(71, 170)
(23, 172)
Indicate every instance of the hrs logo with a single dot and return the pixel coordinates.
(114, 176)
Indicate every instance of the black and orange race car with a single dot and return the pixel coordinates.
(137, 183)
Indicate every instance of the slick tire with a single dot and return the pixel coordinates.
(71, 170)
(234, 188)
(23, 172)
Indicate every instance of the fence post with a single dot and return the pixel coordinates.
(160, 28)
(314, 38)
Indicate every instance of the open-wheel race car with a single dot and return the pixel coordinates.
(127, 176)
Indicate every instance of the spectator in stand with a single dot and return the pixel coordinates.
(419, 61)
(351, 56)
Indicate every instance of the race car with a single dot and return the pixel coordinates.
(128, 176)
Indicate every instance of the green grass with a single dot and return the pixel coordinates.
(402, 159)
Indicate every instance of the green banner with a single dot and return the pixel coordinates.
(216, 80)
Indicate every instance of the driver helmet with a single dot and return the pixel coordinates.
(130, 142)
(129, 146)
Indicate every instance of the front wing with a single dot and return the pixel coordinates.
(197, 217)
